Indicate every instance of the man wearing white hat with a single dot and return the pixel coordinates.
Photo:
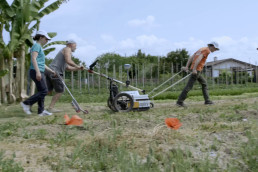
(61, 62)
(197, 62)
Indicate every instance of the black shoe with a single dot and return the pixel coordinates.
(208, 102)
(180, 104)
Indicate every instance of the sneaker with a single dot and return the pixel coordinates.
(53, 110)
(208, 102)
(179, 104)
(45, 113)
(26, 108)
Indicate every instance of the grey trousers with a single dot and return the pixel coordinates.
(190, 84)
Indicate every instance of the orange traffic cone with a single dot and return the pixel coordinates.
(173, 123)
(75, 120)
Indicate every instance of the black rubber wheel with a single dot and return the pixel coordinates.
(151, 105)
(110, 105)
(123, 102)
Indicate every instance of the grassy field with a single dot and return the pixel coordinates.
(221, 137)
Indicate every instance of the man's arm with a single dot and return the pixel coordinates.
(71, 68)
(49, 69)
(68, 58)
(198, 60)
(189, 61)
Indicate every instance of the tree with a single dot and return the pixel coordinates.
(178, 58)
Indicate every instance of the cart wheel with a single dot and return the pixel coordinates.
(151, 105)
(123, 102)
(110, 105)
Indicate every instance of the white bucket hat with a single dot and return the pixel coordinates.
(44, 33)
(215, 44)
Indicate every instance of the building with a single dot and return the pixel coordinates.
(214, 68)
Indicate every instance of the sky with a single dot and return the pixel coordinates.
(156, 27)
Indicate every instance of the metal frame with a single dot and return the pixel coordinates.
(170, 85)
(74, 102)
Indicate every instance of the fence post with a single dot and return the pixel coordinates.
(99, 78)
(120, 72)
(246, 75)
(227, 76)
(252, 76)
(114, 71)
(158, 69)
(232, 79)
(163, 77)
(172, 71)
(136, 75)
(256, 72)
(106, 66)
(151, 75)
(212, 75)
(143, 75)
(72, 80)
(93, 83)
(131, 69)
(80, 80)
(84, 76)
(88, 81)
(219, 78)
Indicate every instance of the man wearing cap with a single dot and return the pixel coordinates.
(61, 62)
(197, 61)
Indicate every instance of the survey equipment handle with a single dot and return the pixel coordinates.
(171, 85)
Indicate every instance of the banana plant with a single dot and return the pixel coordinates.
(20, 19)
(3, 73)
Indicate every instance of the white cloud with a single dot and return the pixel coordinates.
(86, 52)
(190, 45)
(108, 38)
(149, 40)
(148, 22)
(243, 49)
(128, 43)
(143, 41)
(149, 44)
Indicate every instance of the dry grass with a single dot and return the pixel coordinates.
(211, 137)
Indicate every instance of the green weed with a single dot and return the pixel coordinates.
(9, 165)
(249, 151)
(7, 129)
(231, 117)
(41, 134)
(62, 138)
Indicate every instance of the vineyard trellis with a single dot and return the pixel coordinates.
(148, 76)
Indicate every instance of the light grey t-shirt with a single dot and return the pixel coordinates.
(59, 64)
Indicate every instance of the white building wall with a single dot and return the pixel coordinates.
(227, 65)
(215, 73)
